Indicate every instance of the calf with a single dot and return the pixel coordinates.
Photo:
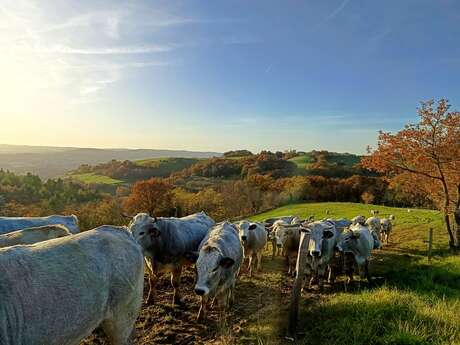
(254, 238)
(322, 240)
(385, 230)
(33, 235)
(10, 224)
(217, 265)
(165, 241)
(57, 292)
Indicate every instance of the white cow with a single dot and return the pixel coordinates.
(386, 227)
(322, 240)
(33, 235)
(217, 265)
(358, 242)
(57, 292)
(9, 224)
(253, 238)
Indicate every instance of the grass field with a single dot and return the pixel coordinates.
(91, 178)
(303, 161)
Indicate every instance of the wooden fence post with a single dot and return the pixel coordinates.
(298, 281)
(430, 244)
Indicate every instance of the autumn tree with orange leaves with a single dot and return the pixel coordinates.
(153, 196)
(426, 155)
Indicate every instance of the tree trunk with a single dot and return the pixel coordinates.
(453, 244)
(457, 217)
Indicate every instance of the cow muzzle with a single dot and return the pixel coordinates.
(315, 253)
(244, 238)
(201, 291)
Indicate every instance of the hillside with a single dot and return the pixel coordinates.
(306, 159)
(50, 162)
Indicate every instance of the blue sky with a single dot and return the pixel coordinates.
(221, 75)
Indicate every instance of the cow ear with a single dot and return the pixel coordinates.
(252, 226)
(226, 262)
(191, 256)
(154, 232)
(328, 234)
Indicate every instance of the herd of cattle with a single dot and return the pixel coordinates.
(57, 285)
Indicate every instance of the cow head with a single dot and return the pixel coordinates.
(145, 229)
(347, 241)
(319, 232)
(244, 229)
(211, 266)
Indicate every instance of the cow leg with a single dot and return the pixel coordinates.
(175, 281)
(366, 271)
(273, 249)
(321, 273)
(120, 327)
(250, 264)
(312, 279)
(152, 279)
(259, 260)
(202, 311)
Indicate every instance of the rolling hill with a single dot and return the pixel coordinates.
(50, 162)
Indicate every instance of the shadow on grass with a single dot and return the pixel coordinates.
(406, 272)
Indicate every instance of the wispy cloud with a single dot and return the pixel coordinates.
(122, 50)
(336, 11)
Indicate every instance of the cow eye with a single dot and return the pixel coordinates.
(142, 233)
(215, 269)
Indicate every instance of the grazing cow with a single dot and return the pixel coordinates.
(322, 240)
(374, 212)
(391, 217)
(254, 238)
(57, 292)
(385, 229)
(217, 265)
(9, 224)
(165, 241)
(33, 235)
(357, 242)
